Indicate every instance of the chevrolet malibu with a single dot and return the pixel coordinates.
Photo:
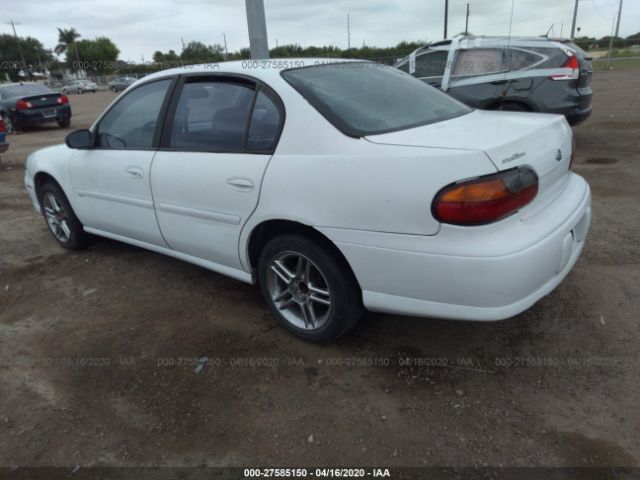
(336, 186)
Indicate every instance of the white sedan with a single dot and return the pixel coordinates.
(337, 186)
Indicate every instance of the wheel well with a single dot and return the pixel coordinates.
(40, 179)
(266, 231)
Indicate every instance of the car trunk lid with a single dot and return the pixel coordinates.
(542, 142)
(43, 100)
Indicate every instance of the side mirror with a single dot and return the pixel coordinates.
(80, 139)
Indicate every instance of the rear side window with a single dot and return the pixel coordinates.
(212, 116)
(363, 98)
(479, 61)
(431, 64)
(265, 124)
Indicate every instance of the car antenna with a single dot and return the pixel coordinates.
(546, 35)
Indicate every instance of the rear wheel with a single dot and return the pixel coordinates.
(114, 89)
(61, 220)
(80, 91)
(8, 124)
(64, 122)
(309, 289)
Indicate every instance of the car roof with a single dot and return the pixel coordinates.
(265, 70)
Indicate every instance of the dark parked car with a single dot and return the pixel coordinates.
(121, 83)
(24, 104)
(534, 74)
(4, 145)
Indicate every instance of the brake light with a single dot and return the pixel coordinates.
(2, 129)
(571, 63)
(62, 99)
(486, 199)
(23, 105)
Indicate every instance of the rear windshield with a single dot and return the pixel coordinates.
(363, 98)
(23, 90)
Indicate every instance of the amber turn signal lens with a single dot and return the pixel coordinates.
(486, 199)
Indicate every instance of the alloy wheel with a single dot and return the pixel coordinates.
(299, 289)
(57, 218)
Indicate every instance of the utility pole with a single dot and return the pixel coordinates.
(15, 35)
(257, 25)
(618, 21)
(348, 31)
(466, 23)
(446, 15)
(226, 52)
(573, 24)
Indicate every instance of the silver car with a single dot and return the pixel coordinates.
(121, 83)
(79, 86)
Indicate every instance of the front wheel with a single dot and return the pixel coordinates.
(80, 91)
(309, 288)
(61, 220)
(114, 89)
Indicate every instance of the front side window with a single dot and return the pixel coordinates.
(363, 98)
(212, 116)
(131, 123)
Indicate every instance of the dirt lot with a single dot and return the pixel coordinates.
(99, 349)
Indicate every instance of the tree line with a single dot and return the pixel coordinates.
(99, 56)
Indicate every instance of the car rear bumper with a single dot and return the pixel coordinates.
(36, 116)
(578, 115)
(472, 273)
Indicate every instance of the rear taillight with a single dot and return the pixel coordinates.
(23, 105)
(2, 129)
(62, 99)
(573, 64)
(486, 199)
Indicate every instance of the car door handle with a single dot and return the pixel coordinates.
(241, 184)
(135, 172)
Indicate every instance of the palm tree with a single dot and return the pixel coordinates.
(66, 39)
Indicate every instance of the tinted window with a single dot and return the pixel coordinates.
(212, 116)
(431, 64)
(479, 61)
(362, 98)
(24, 90)
(131, 123)
(517, 59)
(265, 123)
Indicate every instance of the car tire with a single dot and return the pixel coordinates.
(9, 127)
(309, 288)
(114, 89)
(64, 122)
(61, 219)
(65, 91)
(80, 91)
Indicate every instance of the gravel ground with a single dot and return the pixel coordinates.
(99, 350)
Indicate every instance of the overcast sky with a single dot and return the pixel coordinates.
(139, 27)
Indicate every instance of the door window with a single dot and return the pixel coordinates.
(131, 123)
(479, 61)
(265, 124)
(431, 64)
(212, 116)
